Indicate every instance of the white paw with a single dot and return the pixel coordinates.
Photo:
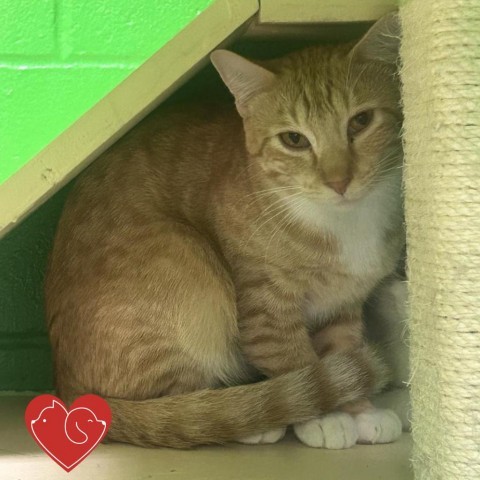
(378, 426)
(334, 431)
(272, 436)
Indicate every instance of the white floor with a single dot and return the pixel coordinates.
(21, 459)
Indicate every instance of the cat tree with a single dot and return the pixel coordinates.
(441, 89)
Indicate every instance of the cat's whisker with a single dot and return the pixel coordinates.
(273, 189)
(269, 206)
(277, 205)
(382, 177)
(275, 212)
(394, 155)
(391, 169)
(295, 207)
(393, 161)
(277, 228)
(266, 198)
(268, 191)
(283, 224)
(279, 200)
(381, 180)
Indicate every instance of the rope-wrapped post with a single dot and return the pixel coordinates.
(441, 94)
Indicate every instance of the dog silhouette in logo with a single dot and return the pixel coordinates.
(67, 435)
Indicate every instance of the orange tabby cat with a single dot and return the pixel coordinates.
(209, 249)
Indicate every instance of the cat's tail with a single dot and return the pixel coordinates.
(228, 414)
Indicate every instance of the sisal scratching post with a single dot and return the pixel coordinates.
(441, 94)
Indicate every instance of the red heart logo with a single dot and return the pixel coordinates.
(68, 437)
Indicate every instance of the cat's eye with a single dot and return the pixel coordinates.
(294, 140)
(359, 122)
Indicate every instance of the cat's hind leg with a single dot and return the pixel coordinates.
(157, 318)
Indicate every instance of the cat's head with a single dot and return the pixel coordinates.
(324, 122)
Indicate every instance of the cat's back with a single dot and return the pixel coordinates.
(164, 168)
(174, 141)
(160, 164)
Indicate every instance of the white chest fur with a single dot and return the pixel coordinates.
(360, 228)
(360, 231)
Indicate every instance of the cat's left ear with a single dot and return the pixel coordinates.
(382, 42)
(243, 78)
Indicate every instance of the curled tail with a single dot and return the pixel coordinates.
(223, 415)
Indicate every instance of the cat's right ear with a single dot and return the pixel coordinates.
(243, 78)
(382, 42)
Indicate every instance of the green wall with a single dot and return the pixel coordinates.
(25, 362)
(57, 59)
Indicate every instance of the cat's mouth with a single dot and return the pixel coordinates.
(350, 197)
(346, 201)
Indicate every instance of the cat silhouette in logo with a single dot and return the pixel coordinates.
(65, 434)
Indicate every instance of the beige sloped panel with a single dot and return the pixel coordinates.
(75, 148)
(312, 11)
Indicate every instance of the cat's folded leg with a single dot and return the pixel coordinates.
(359, 422)
(273, 334)
(273, 343)
(336, 430)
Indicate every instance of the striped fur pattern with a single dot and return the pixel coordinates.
(208, 279)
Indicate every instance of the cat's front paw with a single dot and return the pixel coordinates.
(333, 431)
(272, 436)
(378, 426)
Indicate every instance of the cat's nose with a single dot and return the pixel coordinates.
(340, 186)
